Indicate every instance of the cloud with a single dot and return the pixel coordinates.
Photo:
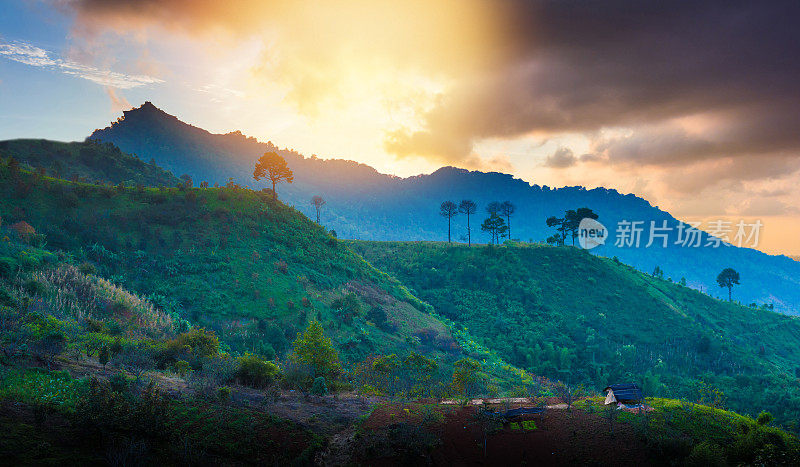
(561, 158)
(29, 54)
(691, 97)
(577, 67)
(118, 102)
(766, 207)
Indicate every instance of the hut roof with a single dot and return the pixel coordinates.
(626, 391)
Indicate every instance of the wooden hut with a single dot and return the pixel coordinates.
(626, 393)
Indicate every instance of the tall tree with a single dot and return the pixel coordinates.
(573, 218)
(507, 209)
(468, 207)
(561, 230)
(728, 278)
(493, 208)
(449, 210)
(496, 227)
(273, 167)
(317, 201)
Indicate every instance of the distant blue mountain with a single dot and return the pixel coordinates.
(365, 204)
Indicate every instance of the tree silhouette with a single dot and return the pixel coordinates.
(507, 209)
(317, 201)
(449, 210)
(496, 227)
(273, 167)
(573, 218)
(468, 207)
(728, 278)
(569, 224)
(493, 208)
(561, 230)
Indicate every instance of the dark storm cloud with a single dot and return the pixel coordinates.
(578, 66)
(561, 158)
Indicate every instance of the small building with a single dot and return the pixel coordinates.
(624, 394)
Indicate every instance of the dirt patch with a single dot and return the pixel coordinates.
(557, 437)
(560, 437)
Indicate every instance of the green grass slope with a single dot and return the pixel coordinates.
(89, 161)
(121, 363)
(563, 313)
(254, 270)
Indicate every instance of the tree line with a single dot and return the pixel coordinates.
(498, 224)
(273, 167)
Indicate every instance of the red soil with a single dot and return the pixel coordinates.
(561, 437)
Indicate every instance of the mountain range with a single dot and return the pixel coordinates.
(365, 204)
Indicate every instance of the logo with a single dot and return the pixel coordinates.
(591, 233)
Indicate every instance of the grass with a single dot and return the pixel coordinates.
(565, 314)
(255, 270)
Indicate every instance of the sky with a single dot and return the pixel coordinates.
(692, 105)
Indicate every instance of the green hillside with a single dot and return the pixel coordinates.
(230, 259)
(155, 326)
(91, 161)
(88, 372)
(565, 314)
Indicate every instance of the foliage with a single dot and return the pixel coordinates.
(706, 454)
(466, 373)
(319, 388)
(496, 227)
(313, 348)
(727, 278)
(210, 263)
(253, 371)
(764, 418)
(273, 167)
(567, 315)
(90, 160)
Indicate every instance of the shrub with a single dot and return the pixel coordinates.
(377, 316)
(706, 454)
(253, 371)
(87, 268)
(119, 383)
(764, 418)
(7, 267)
(6, 298)
(224, 394)
(319, 388)
(201, 342)
(221, 370)
(34, 287)
(182, 368)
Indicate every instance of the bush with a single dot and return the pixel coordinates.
(224, 394)
(7, 267)
(87, 268)
(119, 383)
(706, 454)
(764, 418)
(255, 372)
(319, 388)
(34, 287)
(182, 368)
(6, 298)
(200, 342)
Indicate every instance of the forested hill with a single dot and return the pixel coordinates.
(254, 270)
(364, 204)
(563, 313)
(87, 161)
